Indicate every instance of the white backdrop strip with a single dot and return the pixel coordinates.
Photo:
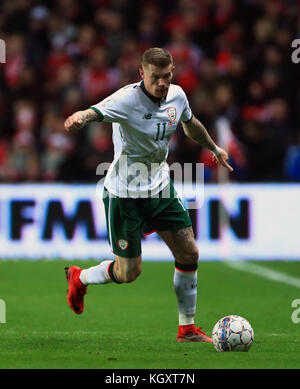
(51, 221)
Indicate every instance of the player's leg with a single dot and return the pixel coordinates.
(185, 251)
(121, 270)
(168, 216)
(182, 245)
(173, 223)
(124, 231)
(126, 270)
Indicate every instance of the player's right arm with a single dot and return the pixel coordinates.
(112, 109)
(80, 119)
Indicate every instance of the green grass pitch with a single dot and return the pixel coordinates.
(134, 326)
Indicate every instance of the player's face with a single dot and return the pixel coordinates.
(157, 80)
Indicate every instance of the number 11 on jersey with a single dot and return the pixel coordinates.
(158, 131)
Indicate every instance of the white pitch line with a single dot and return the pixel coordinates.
(262, 271)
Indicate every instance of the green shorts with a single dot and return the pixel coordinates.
(128, 218)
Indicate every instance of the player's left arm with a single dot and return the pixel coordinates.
(195, 130)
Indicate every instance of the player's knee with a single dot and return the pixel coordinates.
(132, 276)
(191, 256)
(127, 270)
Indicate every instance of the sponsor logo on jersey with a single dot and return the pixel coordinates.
(123, 244)
(147, 116)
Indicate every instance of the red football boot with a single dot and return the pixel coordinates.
(190, 333)
(76, 290)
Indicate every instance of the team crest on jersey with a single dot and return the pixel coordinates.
(123, 244)
(172, 113)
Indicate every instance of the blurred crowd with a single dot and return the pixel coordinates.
(232, 58)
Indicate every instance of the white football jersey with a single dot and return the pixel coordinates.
(142, 128)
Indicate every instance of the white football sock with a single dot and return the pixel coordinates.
(96, 274)
(185, 286)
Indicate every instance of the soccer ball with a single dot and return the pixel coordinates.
(232, 333)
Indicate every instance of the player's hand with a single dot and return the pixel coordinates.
(74, 122)
(220, 156)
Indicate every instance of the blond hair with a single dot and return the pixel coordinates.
(157, 56)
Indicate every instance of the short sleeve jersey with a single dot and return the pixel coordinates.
(142, 128)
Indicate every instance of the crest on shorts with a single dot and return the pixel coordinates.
(123, 244)
(172, 113)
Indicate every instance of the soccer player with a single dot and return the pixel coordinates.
(144, 116)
